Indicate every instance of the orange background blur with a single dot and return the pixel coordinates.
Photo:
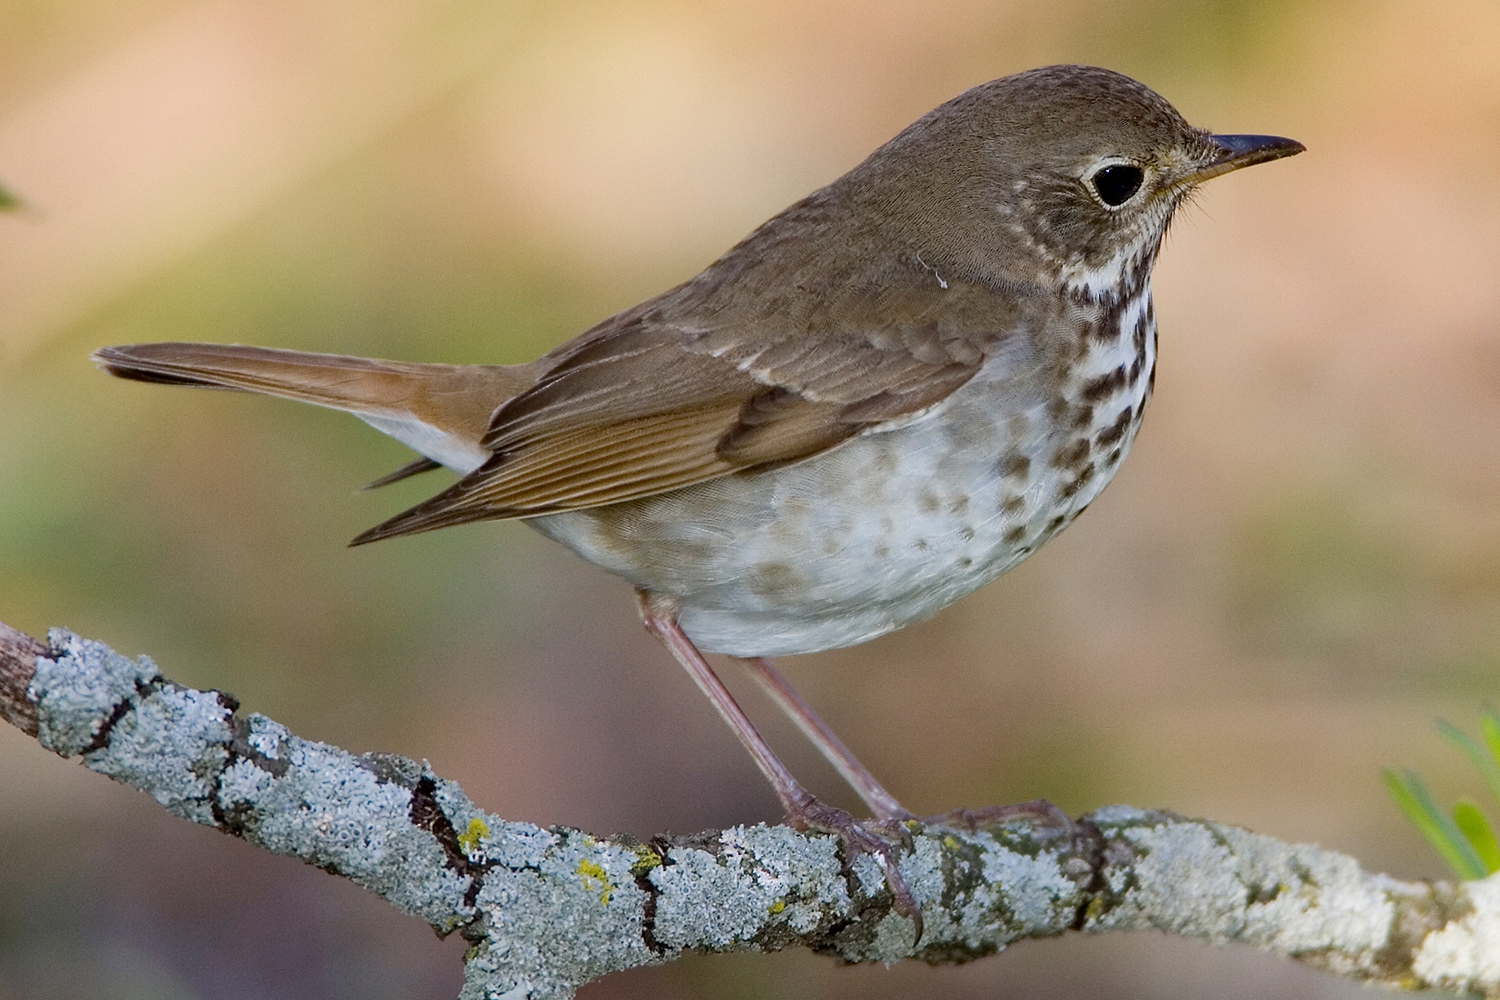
(1298, 567)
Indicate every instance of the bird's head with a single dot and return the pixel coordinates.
(1064, 177)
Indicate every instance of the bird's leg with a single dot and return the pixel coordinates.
(802, 808)
(1039, 813)
(662, 623)
(881, 802)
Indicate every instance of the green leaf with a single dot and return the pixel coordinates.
(1484, 757)
(1454, 848)
(1477, 831)
(1489, 728)
(8, 201)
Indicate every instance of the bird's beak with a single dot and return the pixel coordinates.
(1238, 151)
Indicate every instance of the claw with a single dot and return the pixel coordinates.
(877, 838)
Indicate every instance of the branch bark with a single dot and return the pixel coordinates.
(548, 910)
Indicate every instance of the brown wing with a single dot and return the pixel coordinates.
(818, 326)
(679, 391)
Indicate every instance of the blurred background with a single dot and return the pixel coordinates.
(1296, 570)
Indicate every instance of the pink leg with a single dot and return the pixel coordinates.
(801, 807)
(881, 802)
(794, 798)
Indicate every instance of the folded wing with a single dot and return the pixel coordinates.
(674, 393)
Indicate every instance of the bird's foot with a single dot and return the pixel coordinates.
(881, 839)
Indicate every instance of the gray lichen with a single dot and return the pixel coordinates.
(78, 690)
(760, 878)
(171, 744)
(357, 825)
(571, 914)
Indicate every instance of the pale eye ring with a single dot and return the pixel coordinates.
(1117, 183)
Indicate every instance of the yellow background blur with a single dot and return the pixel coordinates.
(1298, 567)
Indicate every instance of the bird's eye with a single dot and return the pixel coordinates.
(1117, 182)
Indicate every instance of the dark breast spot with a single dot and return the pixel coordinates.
(1072, 455)
(1069, 491)
(1142, 326)
(1108, 326)
(1014, 535)
(770, 579)
(1115, 431)
(1096, 390)
(1015, 467)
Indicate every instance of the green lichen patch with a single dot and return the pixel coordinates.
(472, 839)
(645, 860)
(595, 879)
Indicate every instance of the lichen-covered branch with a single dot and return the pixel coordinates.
(548, 910)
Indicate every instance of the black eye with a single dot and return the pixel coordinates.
(1117, 182)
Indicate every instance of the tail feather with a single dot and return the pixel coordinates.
(441, 411)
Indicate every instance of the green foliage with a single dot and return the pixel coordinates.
(8, 201)
(1466, 841)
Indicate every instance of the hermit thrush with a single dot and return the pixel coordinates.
(881, 399)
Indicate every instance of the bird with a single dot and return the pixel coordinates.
(881, 399)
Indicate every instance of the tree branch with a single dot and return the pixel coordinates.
(18, 653)
(548, 910)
